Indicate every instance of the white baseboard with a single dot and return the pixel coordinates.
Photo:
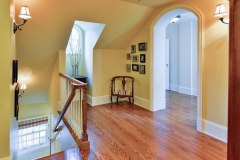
(142, 102)
(94, 101)
(6, 158)
(183, 90)
(89, 100)
(215, 130)
(199, 125)
(173, 87)
(194, 92)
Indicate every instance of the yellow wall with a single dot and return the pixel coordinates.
(54, 92)
(5, 66)
(8, 130)
(33, 110)
(214, 61)
(108, 63)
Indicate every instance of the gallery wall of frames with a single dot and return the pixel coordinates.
(138, 60)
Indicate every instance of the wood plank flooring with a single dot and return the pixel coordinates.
(120, 133)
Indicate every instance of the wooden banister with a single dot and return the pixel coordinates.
(75, 84)
(72, 80)
(70, 98)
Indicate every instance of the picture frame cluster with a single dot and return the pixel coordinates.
(135, 58)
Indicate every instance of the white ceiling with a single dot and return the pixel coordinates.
(185, 17)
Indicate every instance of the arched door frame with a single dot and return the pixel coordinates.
(155, 79)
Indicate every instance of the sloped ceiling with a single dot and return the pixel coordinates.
(150, 3)
(49, 28)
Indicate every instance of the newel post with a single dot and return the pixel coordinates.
(84, 117)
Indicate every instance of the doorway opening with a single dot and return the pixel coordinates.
(158, 57)
(181, 67)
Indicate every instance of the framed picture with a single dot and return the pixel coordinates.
(142, 46)
(142, 69)
(135, 67)
(142, 58)
(133, 48)
(134, 58)
(128, 56)
(14, 71)
(128, 67)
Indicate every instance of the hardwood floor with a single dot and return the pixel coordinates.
(120, 133)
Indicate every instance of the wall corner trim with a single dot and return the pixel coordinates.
(215, 130)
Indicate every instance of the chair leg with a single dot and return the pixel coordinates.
(111, 101)
(117, 100)
(129, 100)
(132, 103)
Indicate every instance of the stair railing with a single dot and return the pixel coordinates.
(73, 106)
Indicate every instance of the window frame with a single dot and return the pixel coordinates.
(81, 37)
(32, 148)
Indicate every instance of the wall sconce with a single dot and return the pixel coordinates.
(220, 12)
(23, 88)
(24, 14)
(17, 95)
(175, 19)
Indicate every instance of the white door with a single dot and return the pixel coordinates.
(167, 63)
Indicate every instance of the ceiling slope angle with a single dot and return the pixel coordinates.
(38, 44)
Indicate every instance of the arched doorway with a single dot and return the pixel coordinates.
(157, 58)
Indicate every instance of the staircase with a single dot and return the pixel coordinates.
(73, 112)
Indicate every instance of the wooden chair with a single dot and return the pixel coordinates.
(122, 93)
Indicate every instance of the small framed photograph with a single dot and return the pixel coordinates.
(135, 67)
(133, 48)
(128, 56)
(128, 67)
(142, 46)
(142, 69)
(142, 58)
(134, 58)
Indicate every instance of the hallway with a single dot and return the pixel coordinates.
(122, 133)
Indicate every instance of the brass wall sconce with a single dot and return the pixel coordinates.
(24, 14)
(220, 12)
(23, 88)
(17, 95)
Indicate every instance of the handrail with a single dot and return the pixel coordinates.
(75, 84)
(70, 98)
(72, 79)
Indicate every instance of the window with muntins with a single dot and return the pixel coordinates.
(33, 133)
(75, 43)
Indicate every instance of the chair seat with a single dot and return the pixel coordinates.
(122, 93)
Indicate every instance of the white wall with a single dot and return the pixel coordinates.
(172, 35)
(183, 57)
(35, 154)
(66, 139)
(194, 55)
